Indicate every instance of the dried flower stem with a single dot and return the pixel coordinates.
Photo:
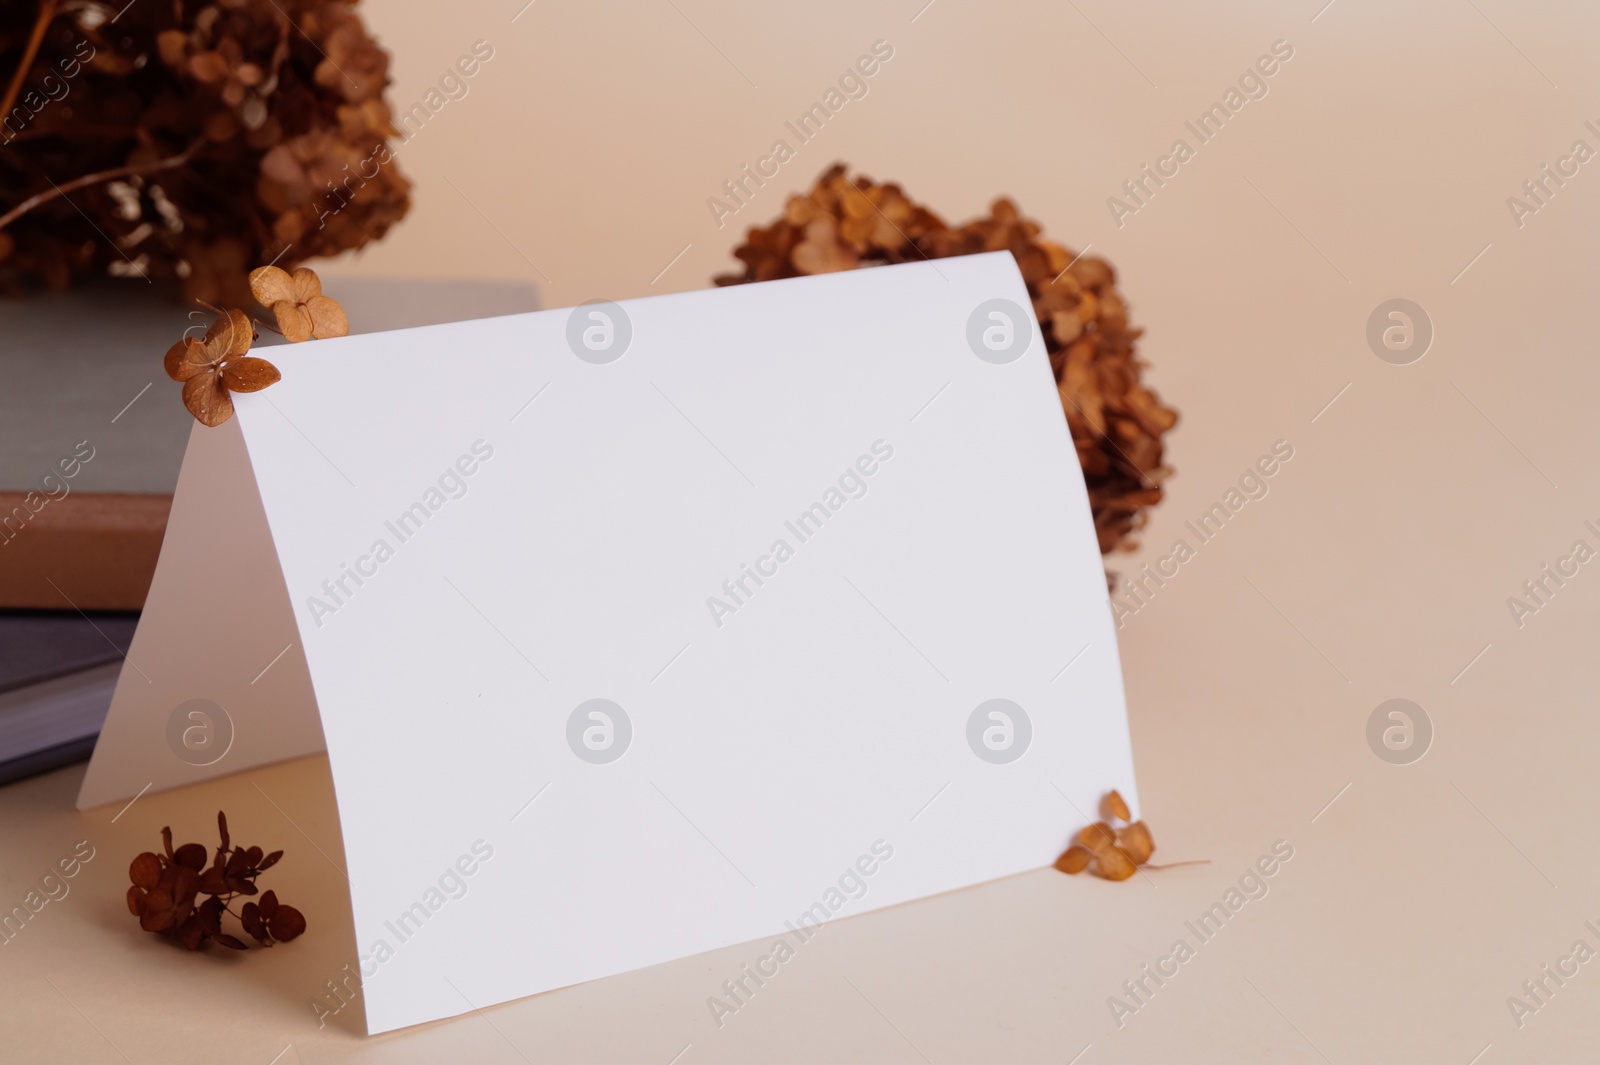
(171, 162)
(47, 14)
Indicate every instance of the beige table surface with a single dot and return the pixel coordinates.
(1419, 897)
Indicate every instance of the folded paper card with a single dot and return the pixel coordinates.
(644, 628)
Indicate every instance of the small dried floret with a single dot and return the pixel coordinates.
(166, 891)
(213, 367)
(296, 300)
(1108, 852)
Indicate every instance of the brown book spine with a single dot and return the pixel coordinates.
(86, 551)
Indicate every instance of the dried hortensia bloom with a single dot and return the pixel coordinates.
(1117, 423)
(167, 889)
(184, 142)
(296, 300)
(1109, 852)
(213, 367)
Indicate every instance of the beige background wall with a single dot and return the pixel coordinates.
(1378, 166)
(1420, 896)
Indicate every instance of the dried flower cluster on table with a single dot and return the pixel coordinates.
(1117, 423)
(187, 140)
(1107, 852)
(213, 367)
(1113, 853)
(166, 889)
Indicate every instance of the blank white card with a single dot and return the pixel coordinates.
(640, 629)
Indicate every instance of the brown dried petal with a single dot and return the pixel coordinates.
(270, 284)
(190, 933)
(1111, 864)
(269, 904)
(306, 285)
(281, 166)
(208, 67)
(157, 917)
(222, 828)
(210, 914)
(231, 942)
(1074, 860)
(249, 374)
(1066, 326)
(191, 856)
(1098, 838)
(135, 901)
(185, 359)
(229, 335)
(185, 885)
(327, 317)
(294, 321)
(286, 924)
(1135, 842)
(207, 399)
(171, 44)
(1118, 806)
(269, 861)
(250, 919)
(145, 871)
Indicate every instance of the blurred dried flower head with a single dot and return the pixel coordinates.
(1117, 423)
(185, 141)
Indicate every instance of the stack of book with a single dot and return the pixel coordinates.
(57, 673)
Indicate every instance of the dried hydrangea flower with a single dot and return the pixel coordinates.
(271, 921)
(166, 888)
(1117, 423)
(213, 367)
(225, 124)
(1109, 852)
(296, 300)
